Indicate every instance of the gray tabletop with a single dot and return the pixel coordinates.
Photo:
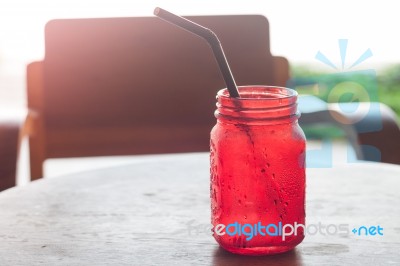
(157, 212)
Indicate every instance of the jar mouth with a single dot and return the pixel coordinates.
(257, 103)
(252, 92)
(259, 96)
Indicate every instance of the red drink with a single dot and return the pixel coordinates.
(257, 171)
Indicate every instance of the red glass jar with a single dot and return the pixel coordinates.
(257, 171)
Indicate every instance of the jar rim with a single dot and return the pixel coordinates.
(272, 93)
(258, 104)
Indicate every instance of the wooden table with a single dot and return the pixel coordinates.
(157, 212)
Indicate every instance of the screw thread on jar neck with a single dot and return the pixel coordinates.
(258, 105)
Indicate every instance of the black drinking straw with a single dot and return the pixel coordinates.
(211, 39)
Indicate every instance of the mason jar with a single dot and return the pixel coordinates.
(257, 171)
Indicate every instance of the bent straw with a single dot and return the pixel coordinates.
(211, 39)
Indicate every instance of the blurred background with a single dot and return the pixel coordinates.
(299, 30)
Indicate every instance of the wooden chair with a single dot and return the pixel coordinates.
(122, 86)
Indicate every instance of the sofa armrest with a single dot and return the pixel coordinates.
(281, 71)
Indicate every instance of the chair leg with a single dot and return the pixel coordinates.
(36, 157)
(35, 104)
(9, 137)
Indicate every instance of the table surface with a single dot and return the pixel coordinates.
(157, 212)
